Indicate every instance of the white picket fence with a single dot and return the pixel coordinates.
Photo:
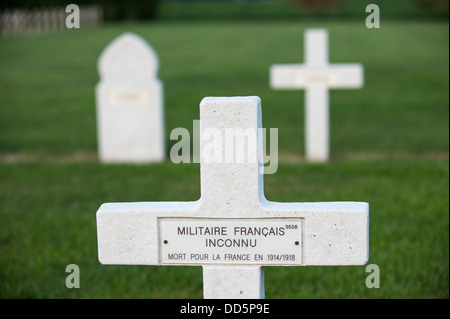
(37, 20)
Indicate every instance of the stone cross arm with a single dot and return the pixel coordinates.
(334, 233)
(300, 76)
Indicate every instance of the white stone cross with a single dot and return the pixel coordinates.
(316, 76)
(232, 231)
(130, 110)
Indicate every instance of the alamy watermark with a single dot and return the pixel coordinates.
(73, 279)
(73, 19)
(373, 19)
(373, 279)
(229, 145)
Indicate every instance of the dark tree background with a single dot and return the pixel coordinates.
(113, 10)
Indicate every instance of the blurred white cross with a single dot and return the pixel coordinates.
(316, 76)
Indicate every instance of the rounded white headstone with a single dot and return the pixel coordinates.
(129, 59)
(130, 110)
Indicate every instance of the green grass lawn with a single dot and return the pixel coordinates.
(389, 146)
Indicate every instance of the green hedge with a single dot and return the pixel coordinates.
(294, 9)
